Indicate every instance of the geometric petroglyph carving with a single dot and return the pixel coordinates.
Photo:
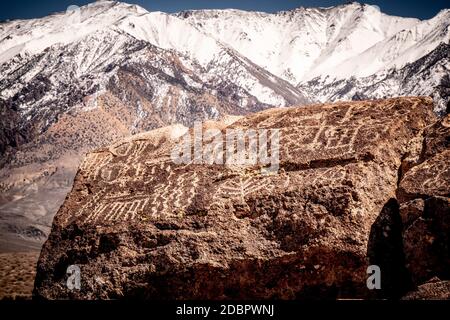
(94, 162)
(314, 177)
(327, 175)
(167, 190)
(336, 131)
(100, 164)
(236, 191)
(172, 198)
(325, 138)
(314, 132)
(168, 194)
(119, 209)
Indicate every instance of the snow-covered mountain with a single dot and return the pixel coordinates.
(335, 44)
(77, 80)
(428, 76)
(301, 43)
(324, 44)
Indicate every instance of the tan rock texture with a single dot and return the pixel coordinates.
(140, 226)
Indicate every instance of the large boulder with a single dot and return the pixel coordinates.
(140, 225)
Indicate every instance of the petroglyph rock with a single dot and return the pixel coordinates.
(141, 226)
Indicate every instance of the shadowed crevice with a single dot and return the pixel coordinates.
(385, 249)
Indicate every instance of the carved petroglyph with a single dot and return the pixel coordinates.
(327, 175)
(172, 198)
(313, 177)
(236, 191)
(169, 193)
(121, 150)
(329, 131)
(109, 167)
(141, 180)
(338, 140)
(341, 137)
(94, 162)
(309, 224)
(86, 207)
(119, 209)
(131, 149)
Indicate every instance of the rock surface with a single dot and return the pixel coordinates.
(435, 289)
(141, 226)
(424, 194)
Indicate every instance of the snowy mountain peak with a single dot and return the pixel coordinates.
(305, 42)
(34, 35)
(333, 43)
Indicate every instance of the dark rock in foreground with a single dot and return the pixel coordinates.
(432, 290)
(140, 226)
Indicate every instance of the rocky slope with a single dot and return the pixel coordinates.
(142, 226)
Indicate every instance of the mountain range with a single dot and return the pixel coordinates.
(78, 80)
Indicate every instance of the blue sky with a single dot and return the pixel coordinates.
(23, 9)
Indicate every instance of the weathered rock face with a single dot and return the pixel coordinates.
(141, 226)
(424, 194)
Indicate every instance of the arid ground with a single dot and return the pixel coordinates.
(17, 271)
